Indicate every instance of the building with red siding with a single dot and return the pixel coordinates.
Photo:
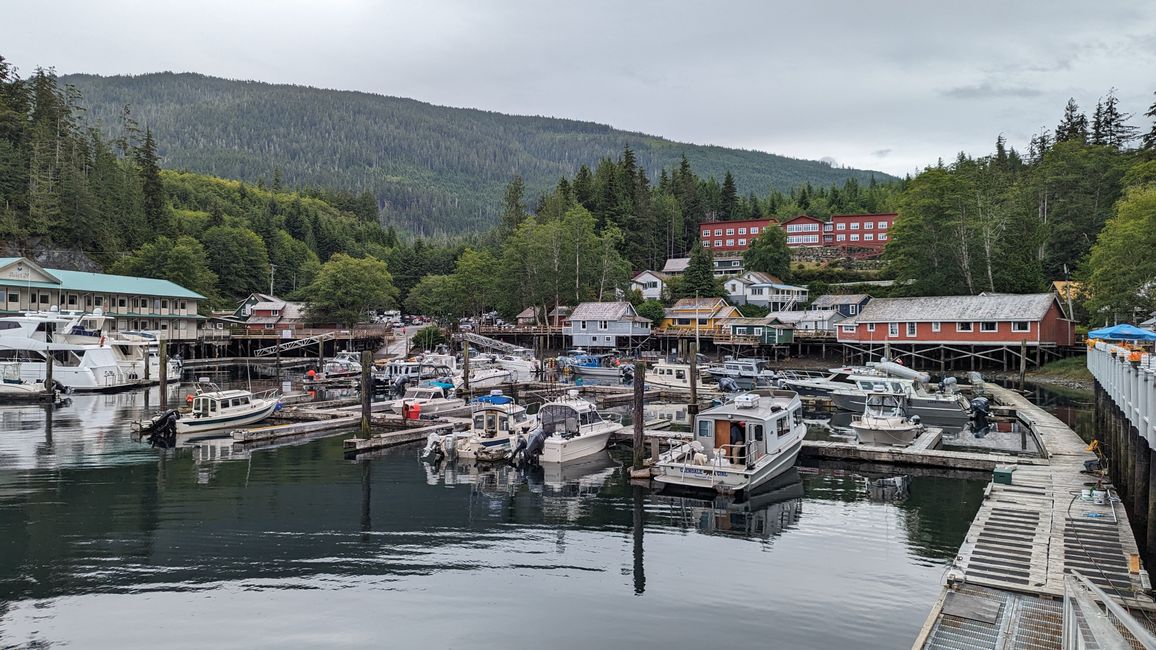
(725, 236)
(949, 328)
(804, 231)
(866, 231)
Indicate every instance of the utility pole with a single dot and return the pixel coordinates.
(272, 269)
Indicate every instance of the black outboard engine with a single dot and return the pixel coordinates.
(980, 408)
(626, 372)
(399, 386)
(728, 385)
(163, 430)
(531, 447)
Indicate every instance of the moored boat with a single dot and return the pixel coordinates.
(885, 421)
(569, 428)
(738, 445)
(496, 423)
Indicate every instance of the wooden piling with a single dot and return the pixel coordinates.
(466, 366)
(366, 389)
(163, 368)
(639, 412)
(1023, 360)
(48, 370)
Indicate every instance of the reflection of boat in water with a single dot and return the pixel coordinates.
(888, 488)
(766, 512)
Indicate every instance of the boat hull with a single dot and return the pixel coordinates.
(584, 371)
(562, 450)
(891, 436)
(948, 414)
(728, 479)
(189, 425)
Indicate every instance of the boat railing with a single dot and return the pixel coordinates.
(729, 449)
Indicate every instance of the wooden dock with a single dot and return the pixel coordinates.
(1027, 537)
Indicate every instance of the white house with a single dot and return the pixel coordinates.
(605, 325)
(650, 283)
(764, 290)
(813, 321)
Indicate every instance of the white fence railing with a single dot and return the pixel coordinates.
(1129, 379)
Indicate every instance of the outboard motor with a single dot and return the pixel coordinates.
(399, 386)
(627, 374)
(979, 412)
(433, 452)
(728, 385)
(948, 385)
(163, 430)
(534, 444)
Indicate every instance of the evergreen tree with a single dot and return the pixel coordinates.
(768, 253)
(730, 198)
(156, 212)
(584, 187)
(514, 206)
(699, 278)
(1148, 142)
(1117, 131)
(1074, 125)
(1098, 135)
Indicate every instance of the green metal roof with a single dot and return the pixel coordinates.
(103, 283)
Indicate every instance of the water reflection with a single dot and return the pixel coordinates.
(771, 509)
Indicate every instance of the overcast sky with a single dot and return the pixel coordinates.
(883, 85)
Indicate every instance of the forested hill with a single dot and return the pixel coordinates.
(435, 169)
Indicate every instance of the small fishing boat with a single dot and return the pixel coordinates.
(434, 397)
(675, 375)
(738, 445)
(486, 377)
(746, 373)
(344, 364)
(885, 421)
(496, 424)
(568, 428)
(605, 366)
(214, 409)
(14, 388)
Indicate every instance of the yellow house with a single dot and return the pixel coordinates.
(708, 313)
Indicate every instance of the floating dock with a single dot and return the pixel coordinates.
(1011, 584)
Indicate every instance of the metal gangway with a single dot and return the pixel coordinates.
(294, 344)
(487, 342)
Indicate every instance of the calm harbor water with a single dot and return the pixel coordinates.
(107, 543)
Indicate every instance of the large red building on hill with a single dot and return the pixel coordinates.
(864, 232)
(732, 235)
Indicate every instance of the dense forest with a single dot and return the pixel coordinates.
(1009, 222)
(433, 169)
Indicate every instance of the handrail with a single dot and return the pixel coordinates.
(1081, 595)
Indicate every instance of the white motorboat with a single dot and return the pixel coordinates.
(486, 377)
(496, 424)
(570, 428)
(738, 445)
(214, 409)
(13, 387)
(675, 375)
(522, 368)
(746, 373)
(885, 422)
(604, 366)
(433, 398)
(345, 363)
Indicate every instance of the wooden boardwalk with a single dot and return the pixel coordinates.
(1026, 537)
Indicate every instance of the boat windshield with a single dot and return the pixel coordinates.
(559, 418)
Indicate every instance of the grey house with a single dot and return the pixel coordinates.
(847, 306)
(605, 325)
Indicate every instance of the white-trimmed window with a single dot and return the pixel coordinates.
(855, 236)
(854, 225)
(730, 242)
(718, 232)
(730, 231)
(868, 236)
(742, 231)
(841, 226)
(706, 243)
(582, 325)
(870, 327)
(848, 329)
(706, 233)
(717, 243)
(868, 225)
(989, 326)
(882, 236)
(892, 329)
(911, 329)
(882, 225)
(1021, 326)
(754, 230)
(963, 327)
(936, 326)
(852, 309)
(742, 242)
(840, 237)
(602, 325)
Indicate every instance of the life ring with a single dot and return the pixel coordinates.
(189, 398)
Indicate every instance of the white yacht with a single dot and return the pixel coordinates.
(570, 428)
(885, 422)
(496, 424)
(738, 445)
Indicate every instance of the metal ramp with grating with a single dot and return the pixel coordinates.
(487, 342)
(294, 344)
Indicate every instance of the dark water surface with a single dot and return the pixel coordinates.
(105, 543)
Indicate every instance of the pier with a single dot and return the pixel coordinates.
(1037, 548)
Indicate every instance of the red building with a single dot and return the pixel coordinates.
(804, 230)
(732, 235)
(998, 320)
(858, 230)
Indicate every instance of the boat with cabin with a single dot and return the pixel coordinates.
(603, 366)
(747, 374)
(214, 409)
(496, 423)
(14, 388)
(434, 397)
(885, 421)
(738, 445)
(345, 363)
(569, 428)
(670, 374)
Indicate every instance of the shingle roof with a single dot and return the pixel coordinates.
(658, 274)
(1002, 307)
(676, 265)
(792, 317)
(830, 300)
(529, 312)
(602, 311)
(696, 304)
(103, 283)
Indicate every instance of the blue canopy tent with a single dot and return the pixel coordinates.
(1123, 332)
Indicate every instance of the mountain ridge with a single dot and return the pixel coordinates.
(434, 169)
